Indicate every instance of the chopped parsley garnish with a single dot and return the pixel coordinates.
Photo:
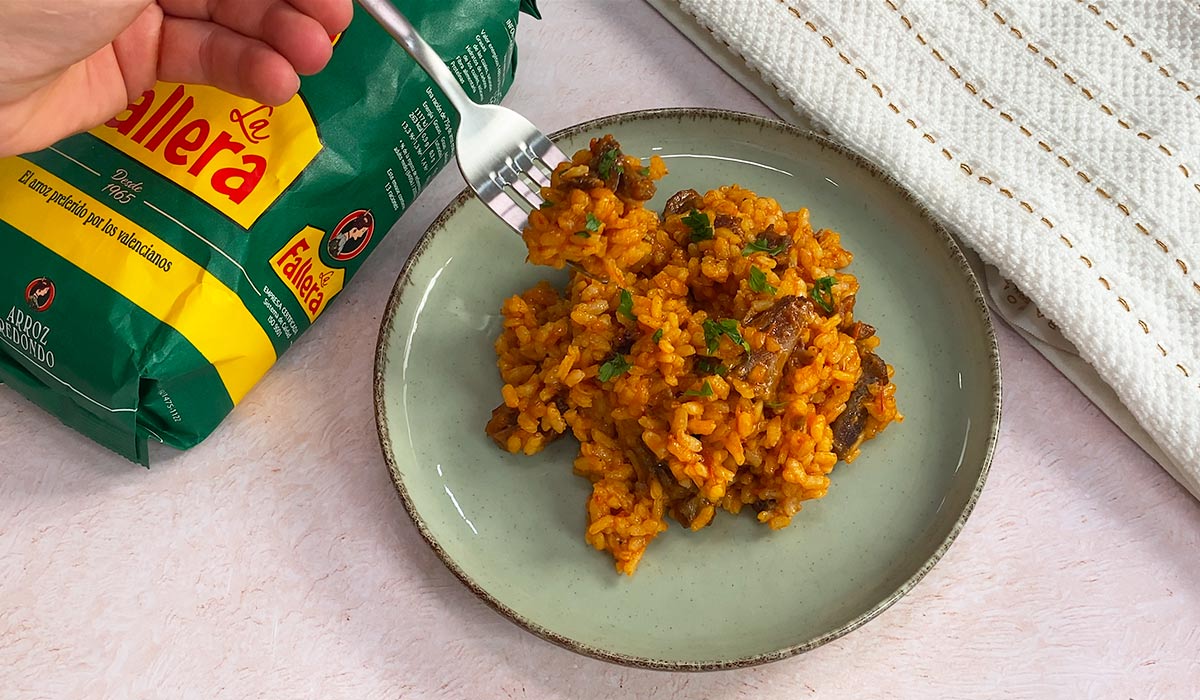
(657, 335)
(822, 293)
(645, 172)
(713, 330)
(706, 390)
(592, 226)
(614, 368)
(700, 225)
(546, 204)
(776, 405)
(758, 281)
(762, 244)
(711, 365)
(608, 161)
(625, 307)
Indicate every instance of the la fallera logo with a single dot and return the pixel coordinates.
(298, 264)
(233, 153)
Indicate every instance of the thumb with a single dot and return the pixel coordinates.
(137, 51)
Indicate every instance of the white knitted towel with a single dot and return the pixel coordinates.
(1060, 138)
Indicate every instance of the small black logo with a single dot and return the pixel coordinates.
(40, 294)
(351, 235)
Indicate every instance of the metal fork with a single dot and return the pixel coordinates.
(496, 147)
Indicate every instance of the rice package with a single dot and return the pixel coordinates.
(158, 265)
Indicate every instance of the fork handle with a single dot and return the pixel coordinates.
(405, 34)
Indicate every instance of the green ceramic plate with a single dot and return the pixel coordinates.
(511, 527)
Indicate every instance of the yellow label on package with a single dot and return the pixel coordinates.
(233, 153)
(299, 265)
(141, 267)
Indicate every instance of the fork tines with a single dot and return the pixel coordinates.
(521, 174)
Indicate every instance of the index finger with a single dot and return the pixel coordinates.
(333, 15)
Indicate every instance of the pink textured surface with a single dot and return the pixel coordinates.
(275, 560)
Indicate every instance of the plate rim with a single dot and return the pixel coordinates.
(403, 281)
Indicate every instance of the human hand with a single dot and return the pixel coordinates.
(69, 65)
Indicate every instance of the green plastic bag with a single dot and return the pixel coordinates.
(157, 266)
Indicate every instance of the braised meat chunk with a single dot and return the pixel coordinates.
(636, 184)
(685, 504)
(608, 168)
(784, 322)
(682, 202)
(730, 222)
(504, 423)
(775, 241)
(848, 427)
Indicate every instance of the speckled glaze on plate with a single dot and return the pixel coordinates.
(511, 527)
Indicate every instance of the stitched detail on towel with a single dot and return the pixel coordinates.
(1124, 207)
(1090, 93)
(1146, 54)
(930, 138)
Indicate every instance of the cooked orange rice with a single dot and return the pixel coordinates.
(701, 358)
